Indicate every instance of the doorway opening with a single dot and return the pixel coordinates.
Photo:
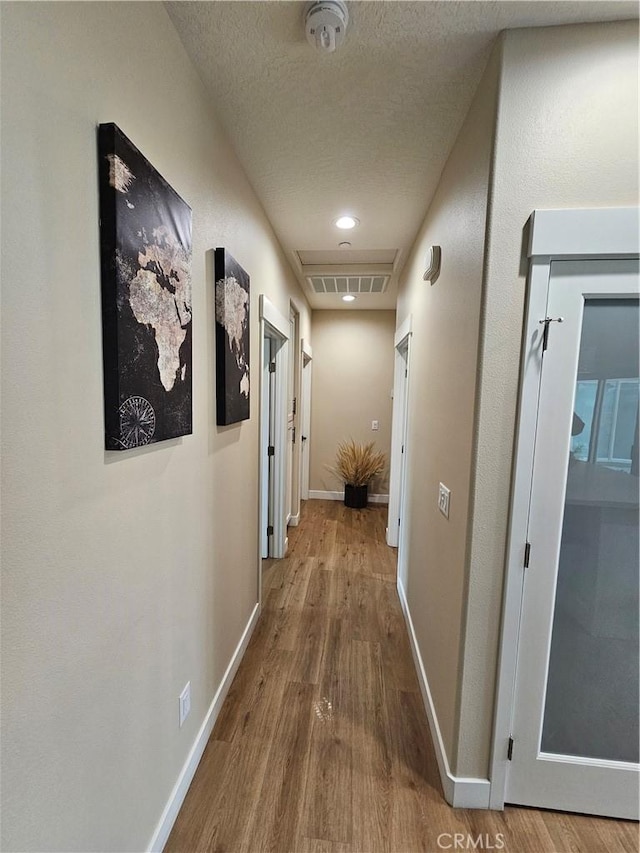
(305, 419)
(399, 451)
(293, 419)
(274, 364)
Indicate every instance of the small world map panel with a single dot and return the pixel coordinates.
(232, 340)
(145, 247)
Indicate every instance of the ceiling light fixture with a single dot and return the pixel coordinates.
(346, 222)
(325, 23)
(348, 298)
(344, 245)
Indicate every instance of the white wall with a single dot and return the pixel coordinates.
(353, 359)
(123, 575)
(564, 134)
(567, 137)
(445, 322)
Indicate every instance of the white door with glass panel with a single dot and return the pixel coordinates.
(575, 712)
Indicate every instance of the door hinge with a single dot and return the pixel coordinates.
(295, 405)
(402, 449)
(527, 554)
(293, 435)
(545, 334)
(271, 451)
(510, 749)
(272, 367)
(398, 522)
(406, 373)
(270, 530)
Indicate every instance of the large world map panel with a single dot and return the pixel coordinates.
(145, 243)
(232, 339)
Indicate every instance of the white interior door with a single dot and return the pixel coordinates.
(273, 429)
(266, 428)
(305, 426)
(575, 711)
(291, 485)
(398, 443)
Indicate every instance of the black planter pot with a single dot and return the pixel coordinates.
(355, 496)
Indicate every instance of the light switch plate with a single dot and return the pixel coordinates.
(185, 703)
(443, 499)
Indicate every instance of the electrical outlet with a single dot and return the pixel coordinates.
(443, 499)
(375, 425)
(185, 703)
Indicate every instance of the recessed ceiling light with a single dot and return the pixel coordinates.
(348, 298)
(346, 222)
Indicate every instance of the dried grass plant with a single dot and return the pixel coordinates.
(357, 464)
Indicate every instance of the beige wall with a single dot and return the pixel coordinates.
(566, 135)
(445, 319)
(124, 575)
(352, 380)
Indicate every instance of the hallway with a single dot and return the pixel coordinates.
(322, 743)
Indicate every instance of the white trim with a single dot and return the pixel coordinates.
(294, 520)
(513, 587)
(460, 792)
(404, 329)
(403, 550)
(280, 467)
(399, 420)
(605, 233)
(554, 235)
(270, 313)
(264, 427)
(294, 384)
(306, 380)
(277, 327)
(307, 352)
(316, 495)
(179, 792)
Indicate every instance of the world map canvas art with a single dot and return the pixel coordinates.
(232, 339)
(145, 244)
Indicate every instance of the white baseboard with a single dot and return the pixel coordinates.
(294, 520)
(339, 496)
(170, 813)
(460, 792)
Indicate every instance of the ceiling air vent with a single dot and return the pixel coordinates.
(348, 284)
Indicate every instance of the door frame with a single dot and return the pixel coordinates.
(399, 418)
(306, 378)
(266, 430)
(293, 417)
(275, 326)
(554, 235)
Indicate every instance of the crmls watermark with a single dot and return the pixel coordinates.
(466, 841)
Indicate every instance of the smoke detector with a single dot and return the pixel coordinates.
(325, 23)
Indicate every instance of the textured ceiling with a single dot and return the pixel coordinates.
(365, 130)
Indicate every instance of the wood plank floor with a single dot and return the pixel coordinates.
(322, 744)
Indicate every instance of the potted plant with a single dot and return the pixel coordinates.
(356, 465)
